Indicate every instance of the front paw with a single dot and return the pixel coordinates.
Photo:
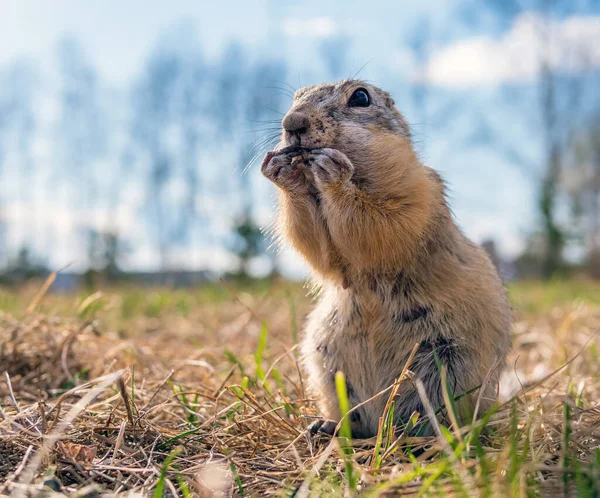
(330, 167)
(322, 426)
(285, 171)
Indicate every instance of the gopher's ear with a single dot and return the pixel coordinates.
(389, 101)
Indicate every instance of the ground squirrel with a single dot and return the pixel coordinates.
(393, 268)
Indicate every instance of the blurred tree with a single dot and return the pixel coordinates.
(489, 246)
(247, 95)
(3, 238)
(22, 85)
(152, 119)
(82, 120)
(229, 83)
(23, 267)
(173, 110)
(104, 252)
(581, 180)
(81, 135)
(260, 102)
(18, 123)
(190, 113)
(5, 118)
(248, 244)
(553, 114)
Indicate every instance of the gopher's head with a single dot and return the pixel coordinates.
(349, 116)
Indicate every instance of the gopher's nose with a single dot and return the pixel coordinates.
(295, 122)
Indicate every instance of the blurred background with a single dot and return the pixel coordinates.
(131, 134)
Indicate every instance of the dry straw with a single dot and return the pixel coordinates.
(192, 406)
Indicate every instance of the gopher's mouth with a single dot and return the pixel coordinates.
(298, 154)
(295, 149)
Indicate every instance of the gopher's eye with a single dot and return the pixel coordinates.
(360, 98)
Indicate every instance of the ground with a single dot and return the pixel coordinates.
(199, 393)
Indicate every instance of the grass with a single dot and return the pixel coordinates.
(199, 393)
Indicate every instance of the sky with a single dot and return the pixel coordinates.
(490, 196)
(119, 35)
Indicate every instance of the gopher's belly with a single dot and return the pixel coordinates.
(370, 339)
(369, 346)
(364, 379)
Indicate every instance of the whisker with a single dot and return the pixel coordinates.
(259, 148)
(275, 111)
(262, 142)
(285, 91)
(267, 121)
(270, 143)
(267, 129)
(362, 67)
(258, 130)
(286, 83)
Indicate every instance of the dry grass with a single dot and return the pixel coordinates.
(206, 399)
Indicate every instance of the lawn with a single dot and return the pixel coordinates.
(127, 392)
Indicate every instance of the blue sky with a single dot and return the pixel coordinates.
(118, 35)
(490, 197)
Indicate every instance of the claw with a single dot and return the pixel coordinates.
(322, 426)
(268, 156)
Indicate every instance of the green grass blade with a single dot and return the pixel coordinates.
(293, 320)
(159, 491)
(345, 432)
(258, 356)
(234, 360)
(183, 487)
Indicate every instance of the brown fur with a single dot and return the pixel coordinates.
(373, 223)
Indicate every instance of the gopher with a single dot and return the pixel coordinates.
(392, 267)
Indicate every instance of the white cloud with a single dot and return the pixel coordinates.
(515, 57)
(315, 27)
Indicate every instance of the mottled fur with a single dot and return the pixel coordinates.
(373, 223)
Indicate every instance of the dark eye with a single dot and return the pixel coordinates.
(360, 98)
